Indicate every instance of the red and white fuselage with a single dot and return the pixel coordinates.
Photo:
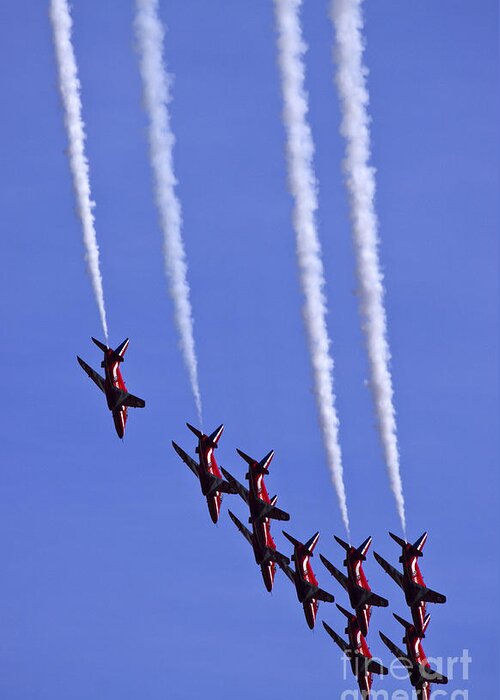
(261, 526)
(113, 380)
(209, 469)
(359, 651)
(422, 670)
(412, 575)
(306, 584)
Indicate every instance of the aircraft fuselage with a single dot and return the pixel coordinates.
(209, 468)
(304, 581)
(113, 381)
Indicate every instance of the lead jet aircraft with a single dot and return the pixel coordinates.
(306, 585)
(411, 580)
(415, 661)
(363, 665)
(262, 510)
(356, 583)
(207, 470)
(112, 384)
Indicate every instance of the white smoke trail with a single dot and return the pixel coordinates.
(350, 79)
(156, 86)
(300, 152)
(69, 85)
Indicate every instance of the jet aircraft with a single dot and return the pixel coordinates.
(266, 555)
(415, 661)
(262, 510)
(207, 470)
(411, 580)
(356, 583)
(357, 651)
(306, 585)
(112, 384)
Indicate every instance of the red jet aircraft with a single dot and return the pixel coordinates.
(112, 384)
(262, 510)
(211, 481)
(411, 580)
(306, 585)
(356, 583)
(357, 651)
(415, 661)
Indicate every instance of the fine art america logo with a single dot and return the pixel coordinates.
(456, 668)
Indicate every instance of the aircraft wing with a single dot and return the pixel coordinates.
(224, 486)
(286, 569)
(375, 667)
(278, 514)
(126, 399)
(434, 597)
(432, 676)
(377, 600)
(96, 378)
(134, 401)
(244, 531)
(326, 597)
(400, 655)
(238, 488)
(187, 459)
(279, 557)
(335, 572)
(338, 640)
(393, 573)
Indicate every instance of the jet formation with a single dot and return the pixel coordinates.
(216, 481)
(262, 510)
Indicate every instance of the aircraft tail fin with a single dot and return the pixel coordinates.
(263, 465)
(343, 544)
(398, 539)
(416, 548)
(100, 345)
(407, 624)
(419, 544)
(291, 539)
(194, 430)
(215, 436)
(363, 548)
(309, 545)
(265, 462)
(122, 349)
(244, 456)
(402, 621)
(426, 622)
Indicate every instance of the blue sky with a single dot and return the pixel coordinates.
(114, 581)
